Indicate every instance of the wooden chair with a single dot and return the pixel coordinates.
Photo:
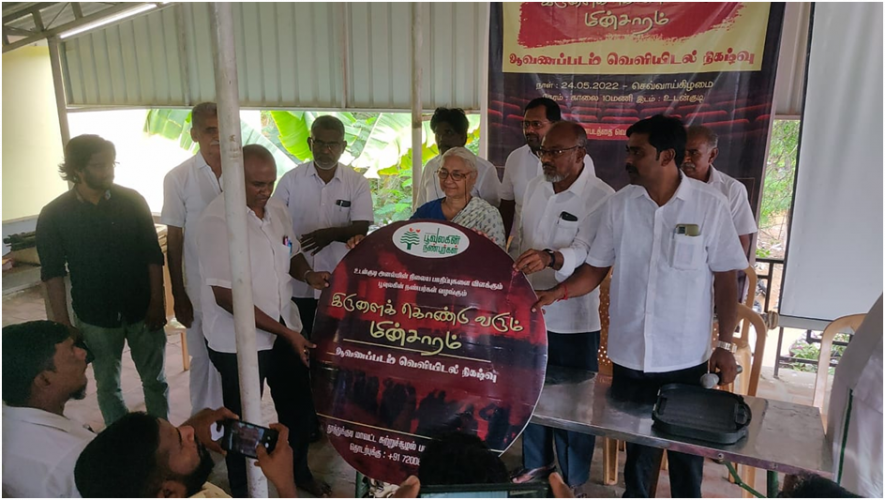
(839, 325)
(751, 362)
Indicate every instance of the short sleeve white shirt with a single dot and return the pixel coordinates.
(543, 226)
(522, 166)
(187, 190)
(738, 201)
(271, 248)
(487, 185)
(313, 204)
(661, 312)
(40, 450)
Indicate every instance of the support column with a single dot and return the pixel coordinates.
(417, 125)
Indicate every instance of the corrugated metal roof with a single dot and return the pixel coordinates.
(320, 56)
(290, 55)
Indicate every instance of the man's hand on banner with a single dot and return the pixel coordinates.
(351, 243)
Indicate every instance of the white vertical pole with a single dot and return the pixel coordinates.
(226, 91)
(417, 126)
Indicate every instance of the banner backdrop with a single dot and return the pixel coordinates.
(425, 328)
(609, 64)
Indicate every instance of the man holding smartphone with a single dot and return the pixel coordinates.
(675, 252)
(560, 215)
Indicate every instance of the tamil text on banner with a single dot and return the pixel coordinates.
(424, 329)
(610, 64)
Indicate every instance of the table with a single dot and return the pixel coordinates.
(782, 437)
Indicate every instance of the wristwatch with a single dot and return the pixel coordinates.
(552, 257)
(728, 346)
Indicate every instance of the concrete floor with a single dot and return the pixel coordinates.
(328, 465)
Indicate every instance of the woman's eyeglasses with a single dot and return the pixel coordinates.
(456, 176)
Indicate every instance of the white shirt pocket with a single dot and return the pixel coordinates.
(688, 252)
(564, 233)
(341, 213)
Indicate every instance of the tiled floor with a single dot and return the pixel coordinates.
(325, 462)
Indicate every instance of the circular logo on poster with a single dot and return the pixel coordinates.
(411, 345)
(430, 240)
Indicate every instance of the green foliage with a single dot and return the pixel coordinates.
(780, 170)
(169, 122)
(378, 145)
(803, 350)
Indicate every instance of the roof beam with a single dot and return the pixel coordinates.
(20, 11)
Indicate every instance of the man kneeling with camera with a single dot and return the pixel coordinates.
(144, 456)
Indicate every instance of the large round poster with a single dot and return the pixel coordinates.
(424, 329)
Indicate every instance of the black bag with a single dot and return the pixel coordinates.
(697, 413)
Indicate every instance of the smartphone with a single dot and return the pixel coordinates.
(568, 217)
(244, 438)
(503, 490)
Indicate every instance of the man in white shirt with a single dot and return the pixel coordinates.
(275, 259)
(187, 189)
(559, 220)
(450, 128)
(701, 149)
(522, 164)
(854, 419)
(329, 203)
(676, 252)
(43, 368)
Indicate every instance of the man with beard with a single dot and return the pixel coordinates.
(43, 368)
(187, 190)
(328, 203)
(701, 149)
(675, 252)
(523, 165)
(105, 235)
(450, 129)
(140, 456)
(560, 216)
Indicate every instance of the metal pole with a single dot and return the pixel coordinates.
(61, 103)
(417, 126)
(226, 91)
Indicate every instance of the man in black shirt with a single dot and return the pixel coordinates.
(106, 236)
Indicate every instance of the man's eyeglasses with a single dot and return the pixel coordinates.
(533, 124)
(331, 146)
(456, 176)
(556, 153)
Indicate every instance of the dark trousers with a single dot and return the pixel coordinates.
(574, 450)
(307, 308)
(643, 462)
(289, 382)
(226, 364)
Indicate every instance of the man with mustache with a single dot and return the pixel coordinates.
(560, 216)
(450, 129)
(701, 149)
(43, 368)
(522, 164)
(275, 259)
(329, 203)
(140, 456)
(105, 235)
(675, 253)
(187, 189)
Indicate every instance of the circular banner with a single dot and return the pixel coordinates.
(424, 329)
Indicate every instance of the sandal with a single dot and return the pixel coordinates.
(528, 475)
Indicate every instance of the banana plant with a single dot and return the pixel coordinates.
(175, 124)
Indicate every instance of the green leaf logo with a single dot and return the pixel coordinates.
(409, 239)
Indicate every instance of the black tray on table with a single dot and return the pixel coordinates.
(697, 413)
